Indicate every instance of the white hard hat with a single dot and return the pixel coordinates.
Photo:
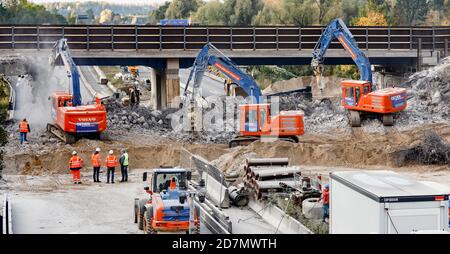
(111, 151)
(97, 149)
(74, 152)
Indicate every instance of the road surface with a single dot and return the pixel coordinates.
(209, 86)
(91, 76)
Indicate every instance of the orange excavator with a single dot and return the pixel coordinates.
(257, 120)
(358, 96)
(71, 119)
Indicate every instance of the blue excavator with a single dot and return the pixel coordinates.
(358, 96)
(256, 119)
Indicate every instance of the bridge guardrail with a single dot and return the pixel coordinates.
(125, 38)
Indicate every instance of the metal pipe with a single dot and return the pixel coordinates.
(268, 162)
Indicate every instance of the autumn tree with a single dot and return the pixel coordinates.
(373, 18)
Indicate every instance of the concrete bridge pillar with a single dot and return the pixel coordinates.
(172, 82)
(158, 91)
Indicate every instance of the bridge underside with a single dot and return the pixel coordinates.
(158, 59)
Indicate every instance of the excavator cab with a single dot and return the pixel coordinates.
(353, 90)
(255, 119)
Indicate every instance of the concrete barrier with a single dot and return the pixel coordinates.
(278, 219)
(216, 191)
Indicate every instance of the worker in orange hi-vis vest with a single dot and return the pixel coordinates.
(75, 165)
(173, 184)
(111, 163)
(24, 128)
(96, 164)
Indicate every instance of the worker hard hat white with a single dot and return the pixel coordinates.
(111, 151)
(97, 149)
(74, 152)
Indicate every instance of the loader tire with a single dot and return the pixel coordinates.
(148, 229)
(388, 120)
(136, 210)
(355, 118)
(141, 218)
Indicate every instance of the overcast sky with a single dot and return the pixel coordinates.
(109, 1)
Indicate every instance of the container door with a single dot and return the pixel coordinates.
(405, 221)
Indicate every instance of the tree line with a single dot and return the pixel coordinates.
(306, 12)
(24, 12)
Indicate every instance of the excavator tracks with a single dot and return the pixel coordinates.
(65, 137)
(246, 141)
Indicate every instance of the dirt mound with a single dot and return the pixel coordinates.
(358, 149)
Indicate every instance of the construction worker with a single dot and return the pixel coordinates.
(111, 163)
(124, 165)
(326, 202)
(75, 165)
(173, 184)
(96, 164)
(24, 128)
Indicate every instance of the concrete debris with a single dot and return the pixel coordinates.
(430, 92)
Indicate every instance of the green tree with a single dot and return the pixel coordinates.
(411, 12)
(181, 9)
(299, 12)
(324, 7)
(160, 13)
(210, 14)
(241, 12)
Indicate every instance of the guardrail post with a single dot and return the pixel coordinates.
(88, 34)
(419, 54)
(367, 38)
(446, 48)
(13, 43)
(410, 38)
(160, 38)
(389, 38)
(38, 43)
(231, 38)
(136, 37)
(277, 38)
(299, 38)
(207, 34)
(112, 38)
(254, 38)
(63, 32)
(434, 38)
(184, 38)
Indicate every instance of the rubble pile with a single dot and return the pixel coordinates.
(430, 92)
(320, 115)
(432, 151)
(127, 118)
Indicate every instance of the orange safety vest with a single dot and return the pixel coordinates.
(173, 185)
(75, 162)
(23, 126)
(326, 197)
(96, 161)
(111, 161)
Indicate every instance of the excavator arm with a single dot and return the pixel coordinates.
(225, 66)
(338, 30)
(61, 56)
